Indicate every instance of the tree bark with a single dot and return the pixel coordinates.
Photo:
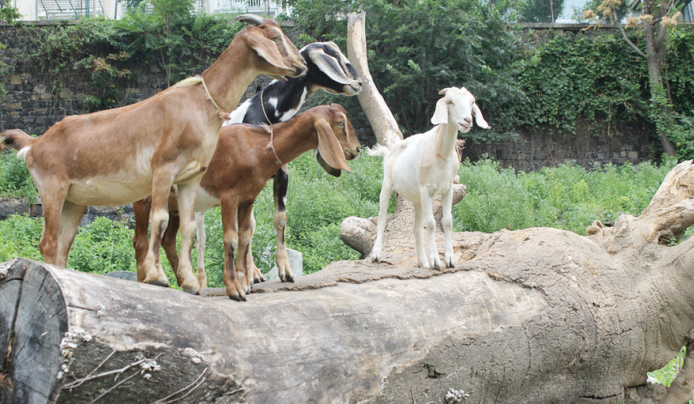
(537, 315)
(377, 112)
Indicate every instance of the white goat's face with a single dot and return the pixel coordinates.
(458, 107)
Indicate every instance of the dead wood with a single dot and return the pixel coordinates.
(537, 315)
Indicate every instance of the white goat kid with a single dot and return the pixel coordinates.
(424, 166)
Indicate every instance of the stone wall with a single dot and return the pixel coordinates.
(534, 150)
(35, 101)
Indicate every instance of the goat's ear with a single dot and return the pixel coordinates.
(332, 171)
(328, 65)
(267, 50)
(441, 114)
(479, 119)
(329, 147)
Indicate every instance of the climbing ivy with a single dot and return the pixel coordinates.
(115, 53)
(571, 79)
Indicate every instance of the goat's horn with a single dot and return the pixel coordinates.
(250, 19)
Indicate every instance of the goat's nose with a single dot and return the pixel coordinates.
(358, 149)
(468, 121)
(361, 83)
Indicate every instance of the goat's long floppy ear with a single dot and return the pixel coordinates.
(441, 113)
(328, 65)
(479, 119)
(267, 50)
(250, 19)
(330, 170)
(329, 147)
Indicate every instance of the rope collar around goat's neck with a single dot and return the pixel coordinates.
(272, 131)
(222, 114)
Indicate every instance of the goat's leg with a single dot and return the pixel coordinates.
(279, 188)
(252, 268)
(447, 224)
(253, 272)
(384, 200)
(53, 193)
(243, 270)
(231, 242)
(427, 212)
(418, 230)
(69, 224)
(168, 242)
(186, 214)
(161, 187)
(141, 210)
(200, 239)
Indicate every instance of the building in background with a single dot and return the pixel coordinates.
(32, 10)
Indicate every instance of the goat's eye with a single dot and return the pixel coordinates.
(341, 124)
(278, 39)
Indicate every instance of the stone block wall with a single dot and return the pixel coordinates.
(35, 101)
(533, 150)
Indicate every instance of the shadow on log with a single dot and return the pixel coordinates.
(537, 315)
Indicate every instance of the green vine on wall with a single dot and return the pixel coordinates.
(572, 78)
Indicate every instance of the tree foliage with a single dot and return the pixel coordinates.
(417, 48)
(541, 10)
(572, 78)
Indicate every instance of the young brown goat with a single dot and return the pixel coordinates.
(118, 156)
(246, 158)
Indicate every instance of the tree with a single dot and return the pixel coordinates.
(657, 19)
(417, 48)
(542, 10)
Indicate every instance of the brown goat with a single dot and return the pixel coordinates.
(246, 158)
(117, 156)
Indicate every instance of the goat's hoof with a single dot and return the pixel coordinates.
(238, 298)
(288, 278)
(159, 282)
(192, 290)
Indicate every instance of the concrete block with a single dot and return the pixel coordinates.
(296, 262)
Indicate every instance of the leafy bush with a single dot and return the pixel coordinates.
(103, 246)
(572, 78)
(566, 197)
(20, 237)
(15, 180)
(100, 247)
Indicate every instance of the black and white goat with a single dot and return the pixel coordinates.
(329, 70)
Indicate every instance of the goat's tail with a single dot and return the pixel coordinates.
(378, 150)
(16, 139)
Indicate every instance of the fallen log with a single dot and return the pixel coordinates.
(538, 315)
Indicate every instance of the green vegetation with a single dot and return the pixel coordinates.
(418, 48)
(566, 197)
(555, 83)
(15, 181)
